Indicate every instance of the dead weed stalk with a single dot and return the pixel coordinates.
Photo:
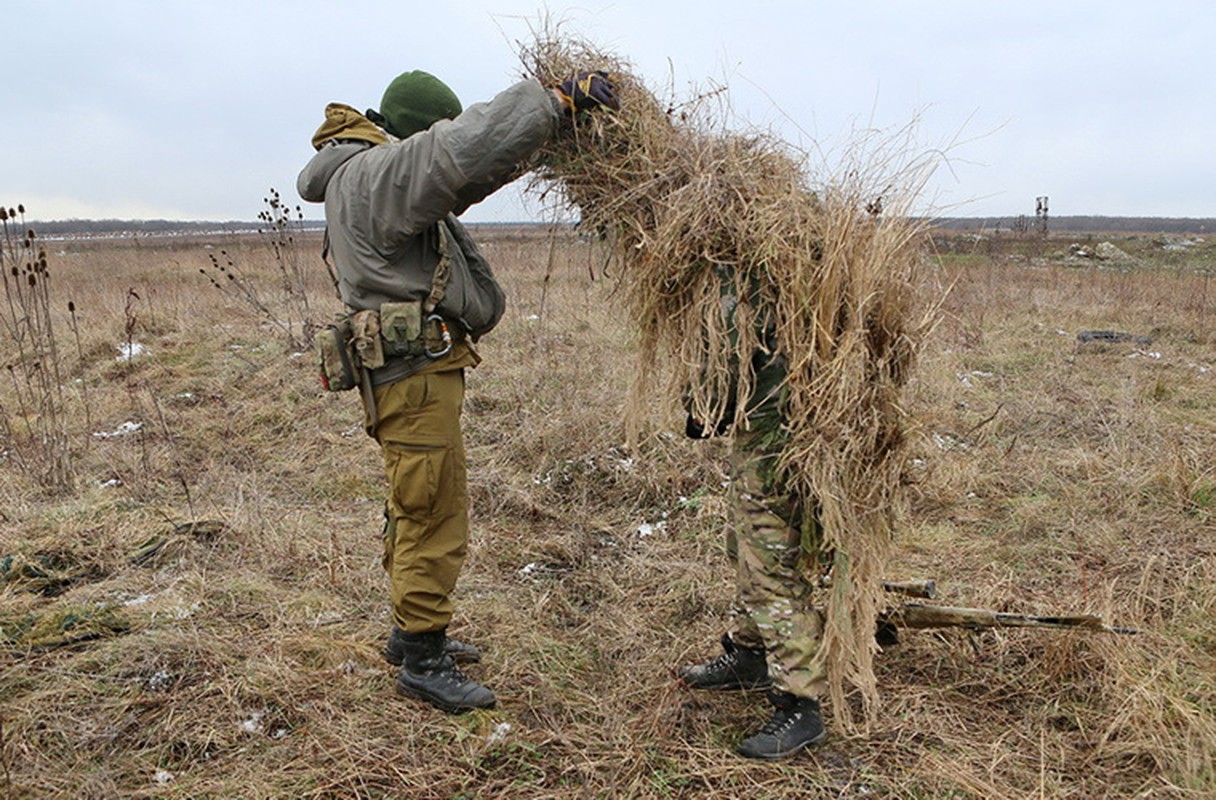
(36, 426)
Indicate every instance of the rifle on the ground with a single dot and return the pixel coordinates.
(912, 614)
(916, 615)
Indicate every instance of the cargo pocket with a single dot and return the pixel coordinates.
(415, 471)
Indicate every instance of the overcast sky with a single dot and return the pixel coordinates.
(177, 110)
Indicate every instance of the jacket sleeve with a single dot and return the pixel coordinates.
(414, 183)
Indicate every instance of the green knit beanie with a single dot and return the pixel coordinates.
(416, 100)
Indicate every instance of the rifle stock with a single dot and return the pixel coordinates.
(920, 615)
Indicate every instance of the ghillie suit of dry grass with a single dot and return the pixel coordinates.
(693, 215)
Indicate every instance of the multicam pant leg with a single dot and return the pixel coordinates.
(774, 591)
(427, 512)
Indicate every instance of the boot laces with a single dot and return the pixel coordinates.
(781, 722)
(724, 663)
(449, 672)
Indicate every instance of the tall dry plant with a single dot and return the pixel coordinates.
(288, 309)
(35, 425)
(823, 272)
(281, 226)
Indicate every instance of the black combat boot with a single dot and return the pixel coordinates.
(795, 724)
(461, 652)
(430, 674)
(737, 668)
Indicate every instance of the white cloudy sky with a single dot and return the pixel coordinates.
(167, 109)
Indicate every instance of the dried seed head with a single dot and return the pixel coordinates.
(3, 214)
(20, 209)
(71, 307)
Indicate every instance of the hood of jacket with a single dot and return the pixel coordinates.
(344, 122)
(344, 133)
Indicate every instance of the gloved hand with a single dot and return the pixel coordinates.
(695, 428)
(588, 91)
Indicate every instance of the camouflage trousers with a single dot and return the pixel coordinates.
(774, 550)
(426, 529)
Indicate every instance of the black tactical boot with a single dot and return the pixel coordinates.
(737, 668)
(461, 652)
(430, 674)
(795, 724)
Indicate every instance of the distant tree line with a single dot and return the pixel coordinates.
(1077, 224)
(73, 227)
(1082, 224)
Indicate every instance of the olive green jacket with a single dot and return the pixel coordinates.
(391, 208)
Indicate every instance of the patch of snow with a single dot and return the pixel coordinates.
(499, 733)
(254, 723)
(160, 681)
(182, 612)
(649, 529)
(946, 441)
(129, 350)
(124, 429)
(965, 378)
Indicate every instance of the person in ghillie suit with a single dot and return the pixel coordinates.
(420, 293)
(776, 545)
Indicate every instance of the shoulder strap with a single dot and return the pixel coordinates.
(333, 276)
(443, 269)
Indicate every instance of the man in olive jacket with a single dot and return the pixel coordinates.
(393, 182)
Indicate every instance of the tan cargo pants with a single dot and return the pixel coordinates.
(427, 512)
(774, 547)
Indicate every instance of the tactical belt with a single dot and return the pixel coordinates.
(446, 332)
(395, 369)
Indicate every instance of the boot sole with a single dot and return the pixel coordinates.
(728, 687)
(450, 708)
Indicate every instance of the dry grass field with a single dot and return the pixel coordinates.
(201, 613)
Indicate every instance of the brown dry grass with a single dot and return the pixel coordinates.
(1050, 477)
